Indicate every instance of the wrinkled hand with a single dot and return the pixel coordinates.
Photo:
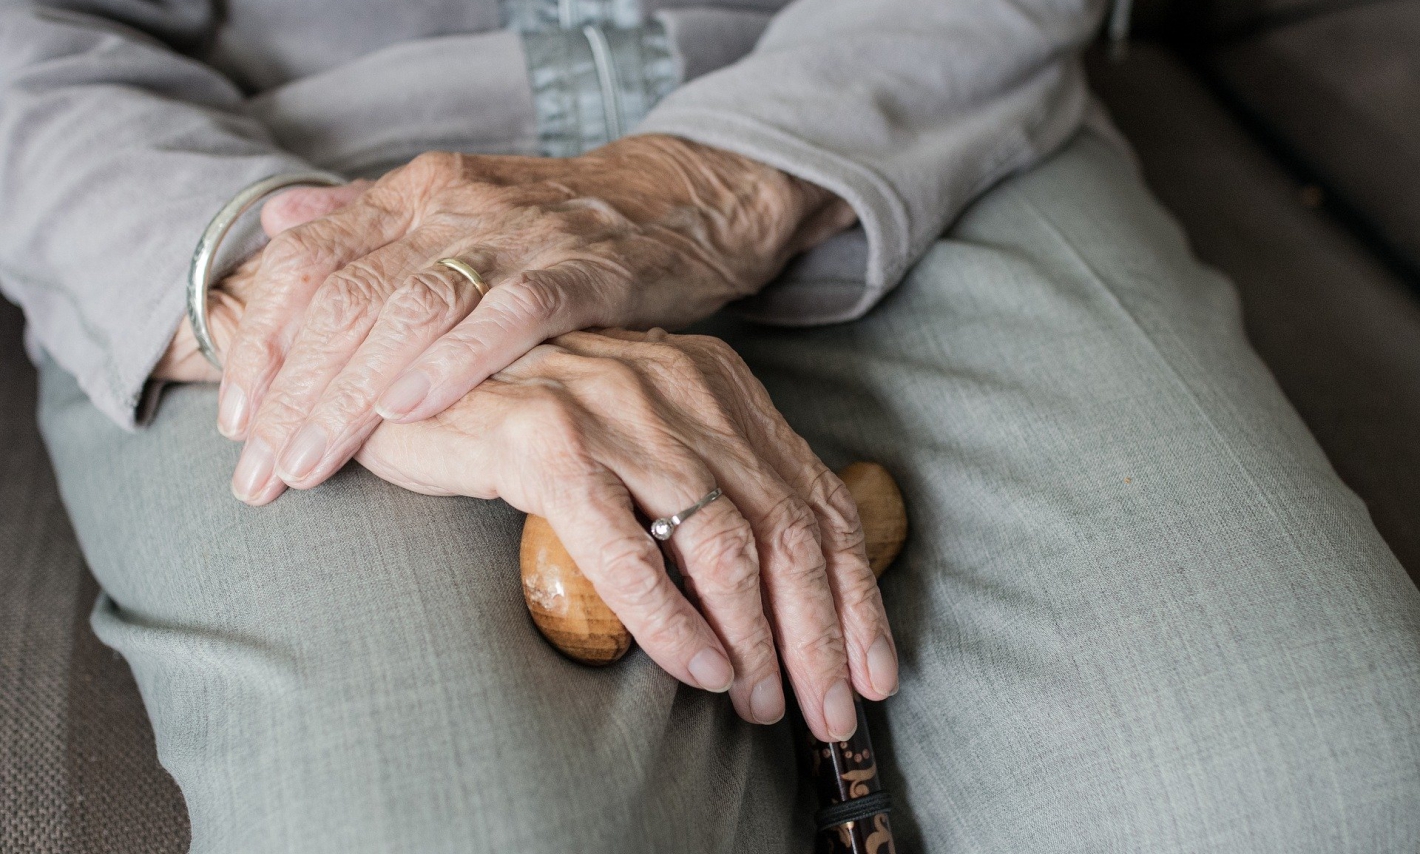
(350, 321)
(585, 428)
(183, 362)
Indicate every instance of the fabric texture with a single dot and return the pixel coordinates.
(906, 113)
(78, 772)
(1337, 327)
(590, 86)
(1341, 92)
(1138, 609)
(164, 111)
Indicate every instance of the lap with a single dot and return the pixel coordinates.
(353, 669)
(1137, 610)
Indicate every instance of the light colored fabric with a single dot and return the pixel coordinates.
(466, 92)
(1138, 611)
(590, 86)
(906, 111)
(125, 125)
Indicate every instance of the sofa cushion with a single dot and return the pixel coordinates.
(1341, 92)
(1340, 330)
(78, 769)
(1213, 19)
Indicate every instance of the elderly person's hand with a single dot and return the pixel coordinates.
(183, 362)
(587, 428)
(351, 320)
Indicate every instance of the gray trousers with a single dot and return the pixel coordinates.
(1138, 610)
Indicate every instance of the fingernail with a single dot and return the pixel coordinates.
(253, 470)
(838, 711)
(766, 701)
(302, 453)
(712, 670)
(232, 416)
(882, 667)
(407, 392)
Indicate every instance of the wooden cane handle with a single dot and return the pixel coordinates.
(569, 613)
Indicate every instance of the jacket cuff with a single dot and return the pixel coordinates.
(119, 384)
(845, 276)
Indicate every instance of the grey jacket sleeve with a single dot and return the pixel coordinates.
(907, 109)
(115, 151)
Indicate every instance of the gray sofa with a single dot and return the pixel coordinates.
(1284, 134)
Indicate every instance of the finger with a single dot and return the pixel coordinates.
(799, 595)
(299, 205)
(183, 362)
(333, 327)
(515, 316)
(593, 517)
(294, 265)
(425, 306)
(715, 549)
(872, 652)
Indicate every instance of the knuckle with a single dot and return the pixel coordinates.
(454, 351)
(348, 402)
(796, 532)
(533, 296)
(667, 626)
(717, 350)
(346, 299)
(612, 380)
(629, 569)
(548, 423)
(278, 412)
(731, 577)
(673, 359)
(424, 297)
(253, 353)
(864, 599)
(723, 560)
(837, 509)
(433, 167)
(288, 246)
(300, 251)
(760, 649)
(821, 649)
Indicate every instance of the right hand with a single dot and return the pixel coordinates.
(585, 429)
(353, 322)
(183, 362)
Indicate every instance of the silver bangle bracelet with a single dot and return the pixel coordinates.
(199, 274)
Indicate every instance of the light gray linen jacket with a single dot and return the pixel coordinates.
(126, 124)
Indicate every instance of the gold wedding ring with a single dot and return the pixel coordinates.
(463, 269)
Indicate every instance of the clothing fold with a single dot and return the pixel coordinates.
(122, 133)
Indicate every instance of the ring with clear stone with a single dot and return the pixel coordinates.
(663, 527)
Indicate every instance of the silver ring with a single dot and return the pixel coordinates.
(663, 527)
(199, 273)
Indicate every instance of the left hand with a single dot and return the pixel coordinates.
(352, 322)
(590, 426)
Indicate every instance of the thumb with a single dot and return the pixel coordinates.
(300, 205)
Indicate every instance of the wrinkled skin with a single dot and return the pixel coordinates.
(601, 422)
(589, 426)
(585, 428)
(350, 320)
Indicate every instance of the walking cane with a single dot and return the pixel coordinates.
(853, 808)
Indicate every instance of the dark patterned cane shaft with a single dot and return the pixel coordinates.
(843, 771)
